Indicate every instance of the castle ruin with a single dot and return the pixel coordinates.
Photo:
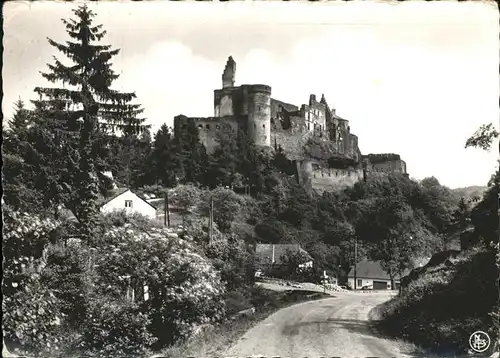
(320, 142)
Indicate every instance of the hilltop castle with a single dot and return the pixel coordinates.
(320, 142)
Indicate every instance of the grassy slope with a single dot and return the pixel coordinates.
(445, 305)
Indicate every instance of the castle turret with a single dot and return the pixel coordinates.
(312, 99)
(259, 114)
(229, 73)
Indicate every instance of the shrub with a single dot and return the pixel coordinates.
(232, 258)
(66, 274)
(115, 329)
(184, 288)
(30, 311)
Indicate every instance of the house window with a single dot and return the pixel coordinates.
(360, 283)
(200, 126)
(217, 127)
(208, 126)
(263, 126)
(128, 203)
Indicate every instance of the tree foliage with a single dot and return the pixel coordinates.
(483, 137)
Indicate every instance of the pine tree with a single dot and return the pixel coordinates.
(18, 174)
(193, 158)
(164, 159)
(16, 133)
(224, 159)
(79, 119)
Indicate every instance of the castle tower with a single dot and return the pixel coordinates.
(229, 73)
(259, 115)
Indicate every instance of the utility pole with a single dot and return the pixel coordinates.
(211, 219)
(167, 209)
(355, 259)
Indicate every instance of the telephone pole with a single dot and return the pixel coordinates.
(211, 219)
(355, 260)
(166, 211)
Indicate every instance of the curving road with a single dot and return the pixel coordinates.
(332, 327)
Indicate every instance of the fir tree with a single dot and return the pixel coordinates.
(81, 117)
(193, 158)
(164, 159)
(16, 134)
(224, 160)
(18, 173)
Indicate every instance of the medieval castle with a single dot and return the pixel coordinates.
(320, 142)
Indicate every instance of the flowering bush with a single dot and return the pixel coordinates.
(183, 288)
(30, 310)
(66, 274)
(115, 329)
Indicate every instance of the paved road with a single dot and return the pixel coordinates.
(332, 327)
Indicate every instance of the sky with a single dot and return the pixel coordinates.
(413, 78)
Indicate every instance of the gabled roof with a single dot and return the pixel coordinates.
(67, 214)
(113, 194)
(265, 251)
(371, 270)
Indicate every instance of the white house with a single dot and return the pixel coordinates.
(125, 199)
(371, 274)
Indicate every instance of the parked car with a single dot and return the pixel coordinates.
(344, 287)
(367, 287)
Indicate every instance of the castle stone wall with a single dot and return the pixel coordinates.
(390, 166)
(209, 126)
(313, 177)
(293, 143)
(327, 179)
(276, 106)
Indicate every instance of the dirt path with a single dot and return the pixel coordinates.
(332, 327)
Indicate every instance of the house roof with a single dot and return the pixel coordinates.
(101, 201)
(67, 214)
(112, 194)
(265, 251)
(371, 270)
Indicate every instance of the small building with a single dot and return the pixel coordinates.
(370, 274)
(125, 199)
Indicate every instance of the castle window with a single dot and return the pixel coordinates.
(254, 126)
(263, 126)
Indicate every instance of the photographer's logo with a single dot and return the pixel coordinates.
(479, 341)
